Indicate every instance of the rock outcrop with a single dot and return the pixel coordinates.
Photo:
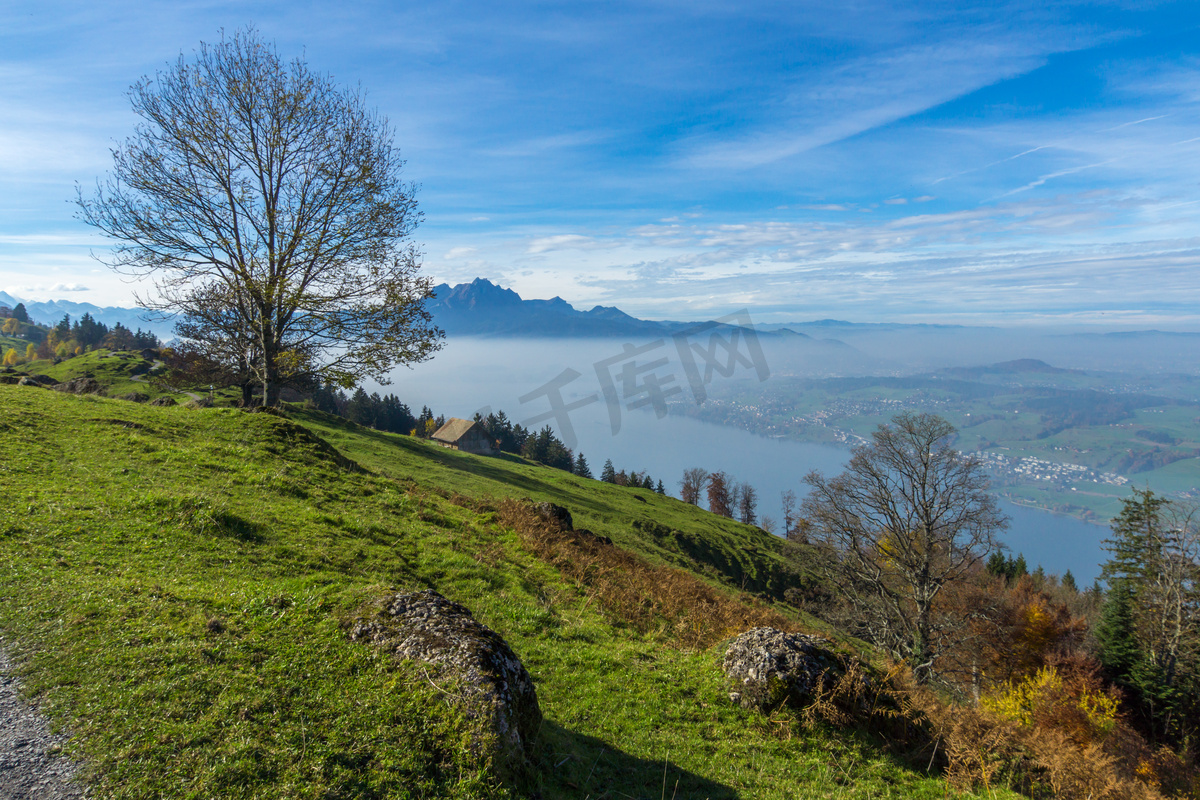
(770, 667)
(81, 385)
(555, 515)
(488, 678)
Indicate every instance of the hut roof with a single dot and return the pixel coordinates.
(453, 430)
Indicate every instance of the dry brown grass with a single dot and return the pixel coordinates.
(854, 696)
(981, 750)
(644, 596)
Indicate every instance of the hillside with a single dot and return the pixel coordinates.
(175, 585)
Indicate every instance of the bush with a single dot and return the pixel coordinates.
(1078, 706)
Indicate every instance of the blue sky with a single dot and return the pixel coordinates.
(1002, 163)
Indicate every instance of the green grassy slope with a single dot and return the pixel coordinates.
(175, 583)
(114, 370)
(13, 342)
(662, 528)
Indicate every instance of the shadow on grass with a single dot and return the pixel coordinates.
(572, 765)
(223, 523)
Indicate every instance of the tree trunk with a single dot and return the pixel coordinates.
(270, 366)
(922, 652)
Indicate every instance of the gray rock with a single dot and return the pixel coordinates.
(165, 400)
(489, 680)
(81, 385)
(769, 668)
(556, 515)
(135, 397)
(37, 380)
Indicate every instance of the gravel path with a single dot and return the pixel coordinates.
(32, 764)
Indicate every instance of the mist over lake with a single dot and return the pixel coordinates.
(480, 375)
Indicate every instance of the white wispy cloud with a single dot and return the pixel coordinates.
(1014, 260)
(562, 241)
(868, 92)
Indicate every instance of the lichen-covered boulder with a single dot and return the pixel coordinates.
(490, 681)
(769, 667)
(43, 381)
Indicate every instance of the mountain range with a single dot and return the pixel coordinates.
(51, 311)
(481, 308)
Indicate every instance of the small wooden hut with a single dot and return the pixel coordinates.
(465, 435)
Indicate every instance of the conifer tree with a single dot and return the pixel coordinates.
(608, 474)
(1019, 568)
(1149, 636)
(1068, 582)
(581, 466)
(997, 565)
(361, 409)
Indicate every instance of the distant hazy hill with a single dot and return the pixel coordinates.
(1018, 367)
(841, 326)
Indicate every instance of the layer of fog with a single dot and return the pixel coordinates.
(871, 350)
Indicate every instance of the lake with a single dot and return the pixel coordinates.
(480, 374)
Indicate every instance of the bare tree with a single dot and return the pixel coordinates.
(718, 494)
(1170, 608)
(692, 485)
(735, 496)
(909, 516)
(788, 501)
(265, 186)
(747, 503)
